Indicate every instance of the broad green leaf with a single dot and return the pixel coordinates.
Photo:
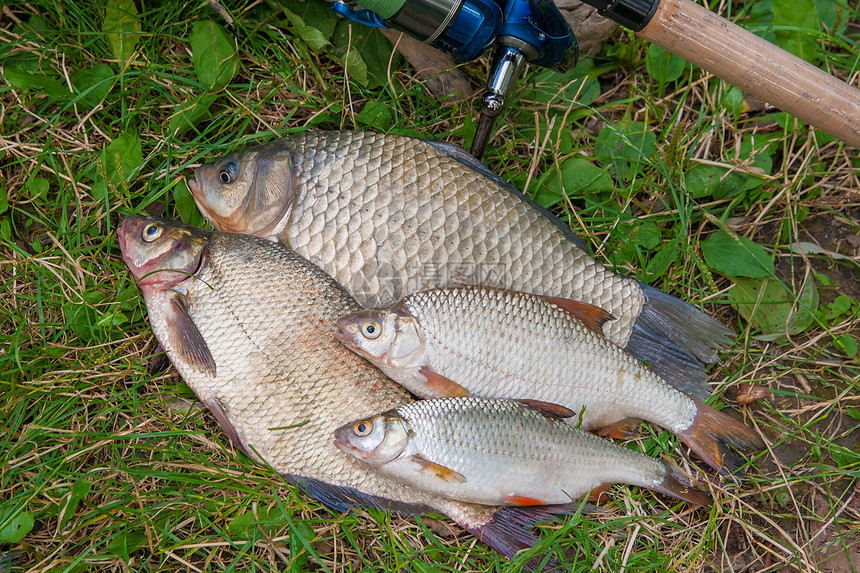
(771, 308)
(5, 229)
(376, 115)
(760, 150)
(661, 261)
(375, 49)
(93, 84)
(573, 177)
(664, 66)
(705, 180)
(37, 82)
(17, 527)
(624, 147)
(213, 54)
(847, 344)
(422, 567)
(736, 256)
(794, 22)
(83, 318)
(79, 491)
(122, 157)
(191, 113)
(313, 37)
(126, 543)
(833, 14)
(317, 15)
(733, 101)
(122, 28)
(353, 65)
(631, 239)
(300, 532)
(578, 85)
(247, 524)
(4, 200)
(37, 188)
(186, 208)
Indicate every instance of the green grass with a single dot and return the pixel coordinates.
(105, 467)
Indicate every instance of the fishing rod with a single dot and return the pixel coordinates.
(535, 31)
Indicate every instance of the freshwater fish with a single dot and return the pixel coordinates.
(387, 216)
(501, 452)
(249, 326)
(498, 343)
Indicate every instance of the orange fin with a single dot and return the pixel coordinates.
(623, 429)
(549, 409)
(597, 492)
(440, 471)
(591, 316)
(676, 484)
(442, 385)
(513, 499)
(711, 434)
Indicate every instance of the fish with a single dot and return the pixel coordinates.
(249, 324)
(502, 452)
(388, 215)
(496, 343)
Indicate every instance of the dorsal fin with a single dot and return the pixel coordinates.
(549, 409)
(593, 317)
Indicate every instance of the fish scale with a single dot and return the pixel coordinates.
(438, 218)
(471, 335)
(483, 219)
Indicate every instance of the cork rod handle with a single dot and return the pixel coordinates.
(757, 67)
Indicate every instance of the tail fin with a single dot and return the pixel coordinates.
(673, 336)
(509, 530)
(676, 484)
(711, 434)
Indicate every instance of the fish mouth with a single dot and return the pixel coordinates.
(196, 189)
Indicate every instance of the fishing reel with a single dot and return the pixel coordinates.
(524, 30)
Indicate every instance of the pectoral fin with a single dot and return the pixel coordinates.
(549, 409)
(593, 317)
(186, 340)
(443, 386)
(438, 470)
(623, 429)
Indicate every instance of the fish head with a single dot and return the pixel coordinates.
(248, 191)
(376, 440)
(387, 338)
(161, 253)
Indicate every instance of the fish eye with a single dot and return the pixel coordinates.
(362, 428)
(228, 174)
(371, 329)
(152, 232)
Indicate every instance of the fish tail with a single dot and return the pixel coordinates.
(673, 337)
(677, 485)
(711, 434)
(510, 531)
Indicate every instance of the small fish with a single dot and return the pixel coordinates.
(249, 325)
(387, 216)
(497, 343)
(492, 452)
